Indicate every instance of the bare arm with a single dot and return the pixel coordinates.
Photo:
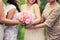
(40, 25)
(3, 19)
(11, 13)
(10, 22)
(1, 9)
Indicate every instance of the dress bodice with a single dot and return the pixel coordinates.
(29, 9)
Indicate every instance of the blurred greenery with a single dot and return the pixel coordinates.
(21, 29)
(43, 3)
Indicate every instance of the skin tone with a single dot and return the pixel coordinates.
(3, 19)
(42, 25)
(37, 13)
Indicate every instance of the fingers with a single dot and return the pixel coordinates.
(29, 27)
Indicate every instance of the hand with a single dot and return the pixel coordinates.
(30, 27)
(21, 22)
(40, 25)
(27, 26)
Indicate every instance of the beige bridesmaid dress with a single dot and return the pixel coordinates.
(33, 34)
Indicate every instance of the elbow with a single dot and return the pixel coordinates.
(1, 19)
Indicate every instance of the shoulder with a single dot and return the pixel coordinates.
(23, 7)
(35, 6)
(47, 5)
(10, 6)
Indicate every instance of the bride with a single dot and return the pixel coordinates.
(32, 6)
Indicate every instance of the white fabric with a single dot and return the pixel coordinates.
(8, 8)
(34, 34)
(1, 32)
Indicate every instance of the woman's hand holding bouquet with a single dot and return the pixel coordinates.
(25, 18)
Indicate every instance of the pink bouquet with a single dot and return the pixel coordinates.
(25, 17)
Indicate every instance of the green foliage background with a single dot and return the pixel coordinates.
(21, 28)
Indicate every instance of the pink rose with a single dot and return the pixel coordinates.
(26, 17)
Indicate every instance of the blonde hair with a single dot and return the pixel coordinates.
(38, 2)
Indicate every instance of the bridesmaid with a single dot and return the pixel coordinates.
(49, 7)
(10, 32)
(4, 20)
(33, 7)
